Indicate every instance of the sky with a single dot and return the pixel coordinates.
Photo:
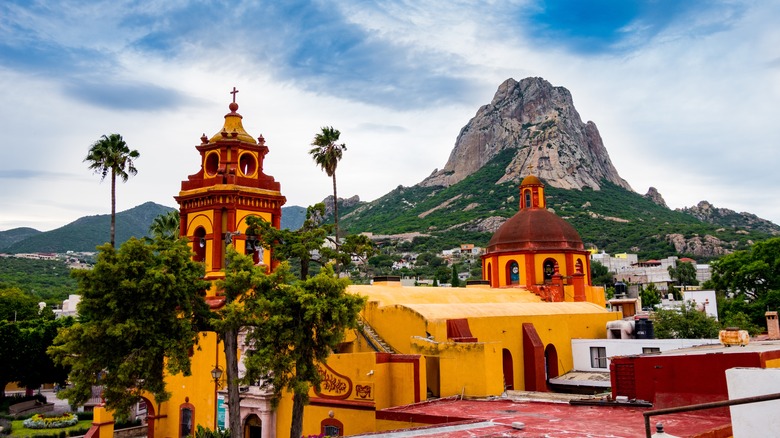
(685, 94)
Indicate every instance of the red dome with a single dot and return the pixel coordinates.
(535, 229)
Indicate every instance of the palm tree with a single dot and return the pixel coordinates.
(166, 226)
(327, 154)
(111, 155)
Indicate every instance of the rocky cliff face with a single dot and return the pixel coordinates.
(540, 122)
(653, 195)
(706, 212)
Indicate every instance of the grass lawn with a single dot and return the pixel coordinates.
(19, 431)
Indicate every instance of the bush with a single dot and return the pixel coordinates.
(85, 415)
(5, 426)
(39, 421)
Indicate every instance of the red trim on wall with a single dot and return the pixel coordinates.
(349, 404)
(417, 418)
(414, 359)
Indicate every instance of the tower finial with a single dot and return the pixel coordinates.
(233, 105)
(530, 168)
(234, 94)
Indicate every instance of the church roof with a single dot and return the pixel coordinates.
(233, 125)
(531, 180)
(535, 229)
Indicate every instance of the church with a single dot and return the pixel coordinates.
(512, 330)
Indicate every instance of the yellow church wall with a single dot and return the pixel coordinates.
(560, 258)
(595, 294)
(503, 260)
(198, 389)
(384, 380)
(397, 324)
(470, 369)
(241, 216)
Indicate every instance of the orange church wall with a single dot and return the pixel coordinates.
(501, 263)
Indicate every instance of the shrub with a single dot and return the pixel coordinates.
(5, 426)
(85, 415)
(39, 421)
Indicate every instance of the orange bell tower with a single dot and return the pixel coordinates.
(230, 186)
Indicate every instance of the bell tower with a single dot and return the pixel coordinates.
(229, 187)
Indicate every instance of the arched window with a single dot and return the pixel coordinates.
(199, 245)
(527, 199)
(332, 427)
(578, 267)
(489, 273)
(513, 273)
(186, 420)
(549, 268)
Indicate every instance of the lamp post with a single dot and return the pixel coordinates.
(216, 375)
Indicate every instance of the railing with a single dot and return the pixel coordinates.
(702, 406)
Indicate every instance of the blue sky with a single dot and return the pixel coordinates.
(685, 93)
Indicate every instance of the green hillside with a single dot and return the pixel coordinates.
(612, 219)
(86, 233)
(9, 237)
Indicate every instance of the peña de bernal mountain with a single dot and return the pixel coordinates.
(532, 126)
(528, 126)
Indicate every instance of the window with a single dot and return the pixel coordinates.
(332, 427)
(650, 350)
(185, 421)
(598, 357)
(513, 272)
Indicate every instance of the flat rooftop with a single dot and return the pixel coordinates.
(552, 418)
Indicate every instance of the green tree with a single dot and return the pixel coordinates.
(111, 155)
(600, 274)
(166, 226)
(294, 325)
(140, 312)
(360, 247)
(684, 274)
(11, 352)
(327, 153)
(684, 323)
(650, 296)
(741, 321)
(36, 336)
(454, 280)
(749, 274)
(16, 305)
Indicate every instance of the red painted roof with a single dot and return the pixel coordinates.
(535, 229)
(495, 418)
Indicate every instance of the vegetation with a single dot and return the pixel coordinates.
(111, 155)
(611, 219)
(650, 296)
(748, 282)
(25, 335)
(166, 226)
(327, 154)
(145, 301)
(298, 323)
(684, 274)
(41, 280)
(685, 323)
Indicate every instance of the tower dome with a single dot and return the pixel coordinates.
(535, 229)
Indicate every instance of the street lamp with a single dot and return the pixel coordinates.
(216, 374)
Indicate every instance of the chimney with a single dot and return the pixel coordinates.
(772, 325)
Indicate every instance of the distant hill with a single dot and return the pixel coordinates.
(9, 237)
(86, 233)
(293, 217)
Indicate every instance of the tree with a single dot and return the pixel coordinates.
(166, 226)
(36, 336)
(327, 154)
(684, 274)
(360, 247)
(306, 244)
(291, 326)
(140, 313)
(650, 296)
(15, 305)
(750, 274)
(111, 155)
(685, 323)
(10, 351)
(600, 274)
(455, 281)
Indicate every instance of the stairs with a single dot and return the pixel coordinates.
(376, 341)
